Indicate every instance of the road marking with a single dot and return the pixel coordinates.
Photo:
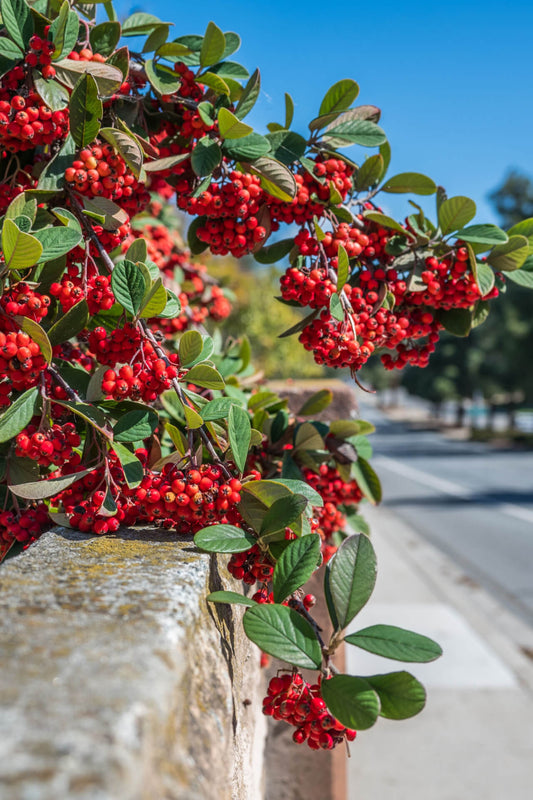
(468, 661)
(449, 488)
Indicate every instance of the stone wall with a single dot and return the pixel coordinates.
(118, 681)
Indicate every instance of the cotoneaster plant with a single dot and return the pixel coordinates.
(121, 403)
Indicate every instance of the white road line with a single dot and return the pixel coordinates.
(442, 485)
(448, 487)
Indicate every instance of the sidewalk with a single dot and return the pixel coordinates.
(474, 739)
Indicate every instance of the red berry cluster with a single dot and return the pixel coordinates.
(251, 566)
(101, 171)
(22, 301)
(21, 362)
(40, 55)
(186, 499)
(232, 209)
(313, 191)
(25, 121)
(86, 54)
(10, 189)
(292, 699)
(310, 288)
(143, 380)
(71, 289)
(53, 446)
(23, 526)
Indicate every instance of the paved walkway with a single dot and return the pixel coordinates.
(474, 739)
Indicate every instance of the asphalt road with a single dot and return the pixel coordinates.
(473, 502)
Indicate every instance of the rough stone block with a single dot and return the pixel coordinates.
(118, 681)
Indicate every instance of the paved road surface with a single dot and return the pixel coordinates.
(474, 503)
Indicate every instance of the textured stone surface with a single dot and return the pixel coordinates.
(118, 681)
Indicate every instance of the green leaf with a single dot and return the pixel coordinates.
(289, 110)
(286, 146)
(213, 45)
(343, 428)
(339, 97)
(308, 438)
(21, 250)
(57, 242)
(85, 111)
(401, 695)
(387, 222)
(216, 409)
(410, 182)
(511, 255)
(140, 23)
(233, 42)
(206, 156)
(192, 418)
(137, 251)
(249, 95)
(190, 347)
(335, 308)
(111, 215)
(129, 285)
(370, 172)
(295, 566)
(154, 301)
(233, 598)
(107, 77)
(157, 37)
(19, 414)
(397, 643)
(230, 126)
(343, 268)
(282, 513)
(17, 21)
(268, 491)
(367, 480)
(281, 632)
(131, 466)
(482, 234)
(53, 95)
(216, 83)
(457, 321)
(224, 539)
(239, 433)
(39, 490)
(205, 376)
(164, 80)
(354, 131)
(10, 53)
(127, 146)
(230, 69)
(52, 177)
(135, 425)
(38, 335)
(485, 278)
(316, 403)
(105, 37)
(276, 179)
(521, 277)
(64, 31)
(351, 700)
(352, 577)
(272, 253)
(248, 148)
(121, 60)
(456, 212)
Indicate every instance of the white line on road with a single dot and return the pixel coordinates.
(448, 487)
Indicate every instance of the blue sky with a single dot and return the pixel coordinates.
(454, 81)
